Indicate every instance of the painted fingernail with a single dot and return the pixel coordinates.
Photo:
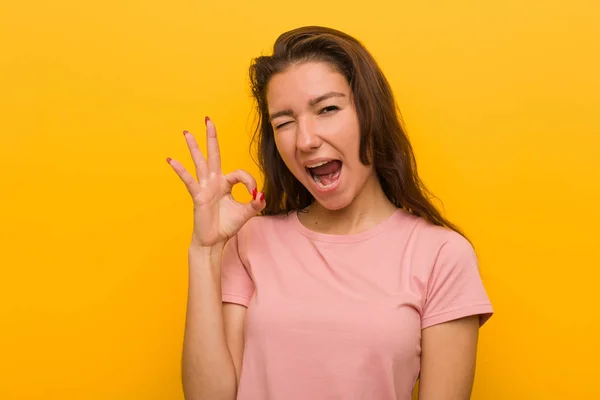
(185, 132)
(254, 194)
(168, 160)
(206, 119)
(262, 197)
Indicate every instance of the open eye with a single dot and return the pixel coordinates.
(329, 109)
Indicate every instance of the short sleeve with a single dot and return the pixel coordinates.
(455, 289)
(236, 284)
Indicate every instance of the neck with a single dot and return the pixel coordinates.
(367, 210)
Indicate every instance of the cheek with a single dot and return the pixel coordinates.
(351, 149)
(348, 140)
(287, 151)
(348, 131)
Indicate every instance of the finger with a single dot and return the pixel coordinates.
(212, 145)
(197, 157)
(191, 184)
(257, 204)
(241, 176)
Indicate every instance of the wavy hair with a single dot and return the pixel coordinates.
(383, 140)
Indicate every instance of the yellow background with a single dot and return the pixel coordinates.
(501, 100)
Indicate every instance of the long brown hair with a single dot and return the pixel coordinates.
(383, 140)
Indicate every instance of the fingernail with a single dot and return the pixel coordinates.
(168, 160)
(262, 197)
(206, 119)
(254, 194)
(185, 132)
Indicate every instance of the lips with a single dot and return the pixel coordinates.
(325, 173)
(324, 167)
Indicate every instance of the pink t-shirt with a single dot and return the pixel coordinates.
(340, 316)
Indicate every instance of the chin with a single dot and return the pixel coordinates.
(334, 203)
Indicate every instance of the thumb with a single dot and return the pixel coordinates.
(256, 205)
(258, 198)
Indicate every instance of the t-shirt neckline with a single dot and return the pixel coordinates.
(354, 237)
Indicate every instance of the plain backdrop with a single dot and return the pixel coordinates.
(500, 99)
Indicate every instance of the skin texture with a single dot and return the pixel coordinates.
(313, 117)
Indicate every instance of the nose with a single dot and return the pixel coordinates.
(307, 137)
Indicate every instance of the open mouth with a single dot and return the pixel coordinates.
(325, 173)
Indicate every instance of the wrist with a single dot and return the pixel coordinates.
(206, 251)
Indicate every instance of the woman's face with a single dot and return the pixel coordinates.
(317, 132)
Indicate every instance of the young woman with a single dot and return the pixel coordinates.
(340, 279)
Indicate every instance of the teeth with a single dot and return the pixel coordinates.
(333, 176)
(317, 164)
(318, 181)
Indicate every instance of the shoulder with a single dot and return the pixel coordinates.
(433, 246)
(437, 238)
(262, 226)
(260, 234)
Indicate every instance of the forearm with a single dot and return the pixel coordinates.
(207, 367)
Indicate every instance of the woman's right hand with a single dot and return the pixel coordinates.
(217, 215)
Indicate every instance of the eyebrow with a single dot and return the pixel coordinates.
(324, 97)
(312, 103)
